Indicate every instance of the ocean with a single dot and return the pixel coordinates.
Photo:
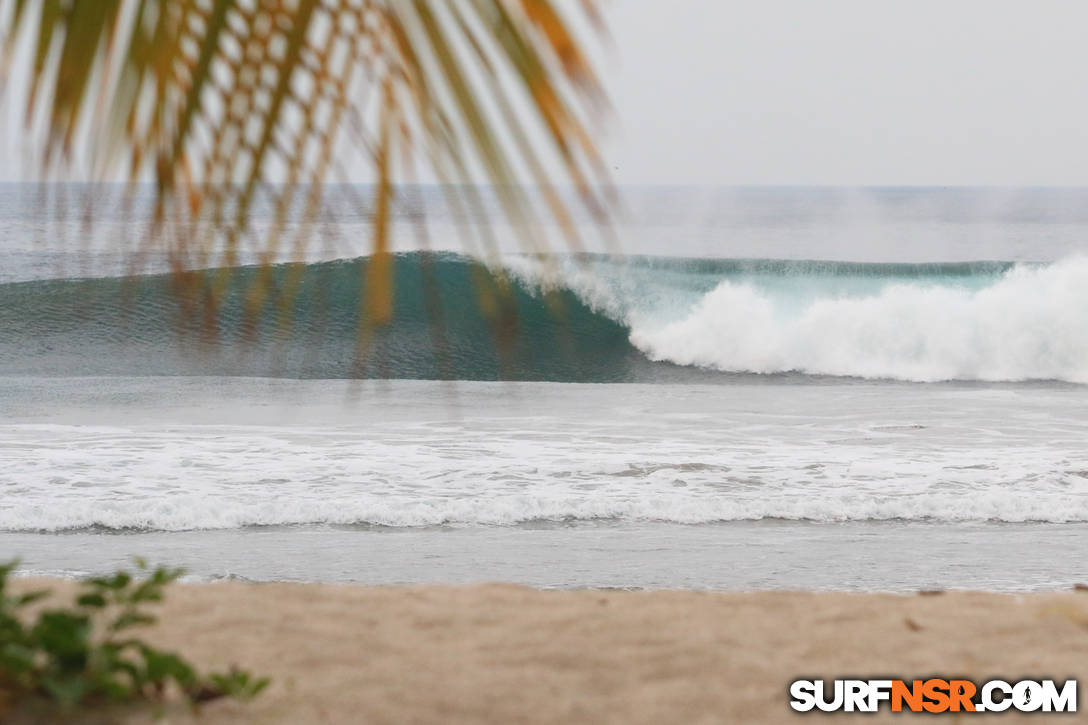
(767, 388)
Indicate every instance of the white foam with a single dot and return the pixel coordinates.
(1032, 324)
(515, 453)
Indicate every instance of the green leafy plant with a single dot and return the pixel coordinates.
(84, 655)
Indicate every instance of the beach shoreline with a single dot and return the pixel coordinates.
(493, 653)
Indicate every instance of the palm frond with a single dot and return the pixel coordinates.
(223, 101)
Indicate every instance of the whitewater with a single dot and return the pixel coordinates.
(215, 453)
(926, 323)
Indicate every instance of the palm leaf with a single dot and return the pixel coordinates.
(217, 99)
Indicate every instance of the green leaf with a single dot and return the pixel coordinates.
(116, 582)
(68, 691)
(131, 619)
(71, 657)
(16, 658)
(31, 597)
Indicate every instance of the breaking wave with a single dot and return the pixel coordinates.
(584, 319)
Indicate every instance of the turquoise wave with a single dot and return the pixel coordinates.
(593, 319)
(443, 327)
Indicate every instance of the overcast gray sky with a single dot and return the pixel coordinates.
(850, 91)
(854, 92)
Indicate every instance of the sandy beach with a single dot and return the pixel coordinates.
(497, 653)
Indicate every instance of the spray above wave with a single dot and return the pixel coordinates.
(588, 319)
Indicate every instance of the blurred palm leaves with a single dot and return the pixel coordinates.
(223, 101)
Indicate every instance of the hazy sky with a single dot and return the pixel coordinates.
(850, 91)
(987, 92)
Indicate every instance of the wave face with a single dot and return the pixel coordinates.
(587, 319)
(132, 326)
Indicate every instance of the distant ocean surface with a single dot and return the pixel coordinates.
(774, 388)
